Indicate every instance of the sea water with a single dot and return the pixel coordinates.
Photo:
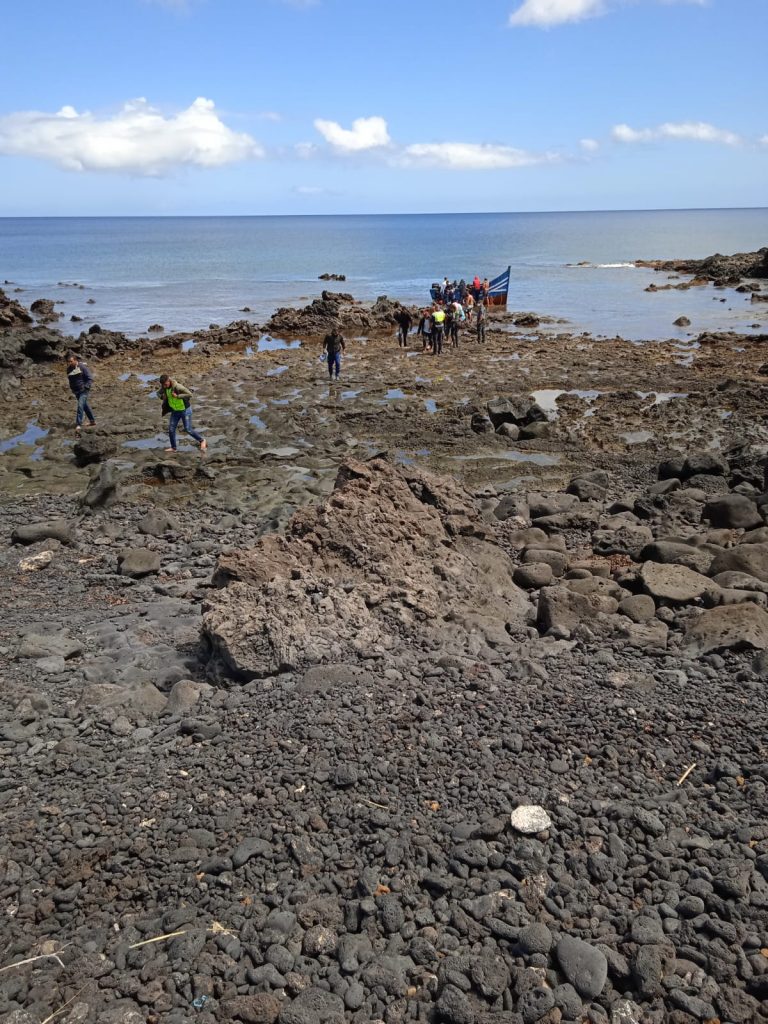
(188, 272)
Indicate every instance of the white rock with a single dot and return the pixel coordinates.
(530, 819)
(35, 562)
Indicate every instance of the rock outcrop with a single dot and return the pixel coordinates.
(391, 558)
(717, 268)
(336, 310)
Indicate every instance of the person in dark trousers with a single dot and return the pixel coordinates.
(456, 318)
(481, 319)
(404, 321)
(80, 383)
(333, 346)
(176, 401)
(438, 322)
(425, 330)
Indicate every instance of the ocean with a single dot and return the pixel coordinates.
(188, 272)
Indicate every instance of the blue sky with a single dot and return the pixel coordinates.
(350, 106)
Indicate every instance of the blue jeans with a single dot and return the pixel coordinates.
(183, 417)
(334, 363)
(83, 409)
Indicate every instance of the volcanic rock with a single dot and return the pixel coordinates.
(674, 583)
(138, 562)
(12, 313)
(732, 511)
(750, 559)
(55, 529)
(716, 268)
(44, 311)
(390, 554)
(585, 967)
(736, 626)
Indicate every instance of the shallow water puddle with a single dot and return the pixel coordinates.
(536, 458)
(394, 394)
(269, 344)
(546, 398)
(430, 405)
(31, 435)
(145, 443)
(187, 346)
(276, 371)
(258, 422)
(661, 397)
(637, 436)
(346, 395)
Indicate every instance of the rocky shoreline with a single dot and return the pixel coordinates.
(435, 695)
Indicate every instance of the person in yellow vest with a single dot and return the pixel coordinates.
(438, 320)
(176, 401)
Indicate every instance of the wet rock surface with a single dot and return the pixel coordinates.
(472, 734)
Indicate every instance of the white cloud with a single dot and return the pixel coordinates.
(545, 13)
(589, 145)
(555, 12)
(366, 133)
(764, 140)
(137, 140)
(270, 115)
(470, 156)
(693, 131)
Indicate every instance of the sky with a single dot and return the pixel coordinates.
(206, 107)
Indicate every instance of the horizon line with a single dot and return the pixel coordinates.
(442, 213)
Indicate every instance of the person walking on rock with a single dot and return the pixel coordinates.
(404, 321)
(333, 346)
(425, 330)
(438, 320)
(176, 401)
(80, 383)
(481, 320)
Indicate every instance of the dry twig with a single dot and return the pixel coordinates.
(32, 959)
(685, 774)
(158, 938)
(64, 1006)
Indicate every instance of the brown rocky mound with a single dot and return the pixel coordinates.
(335, 310)
(718, 267)
(12, 313)
(393, 559)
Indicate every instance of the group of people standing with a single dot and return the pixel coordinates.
(462, 292)
(442, 323)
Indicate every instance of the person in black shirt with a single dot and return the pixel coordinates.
(333, 346)
(80, 381)
(404, 321)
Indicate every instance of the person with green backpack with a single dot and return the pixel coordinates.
(176, 401)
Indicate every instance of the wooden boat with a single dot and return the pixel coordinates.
(498, 290)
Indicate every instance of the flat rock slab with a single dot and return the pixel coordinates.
(736, 626)
(55, 529)
(674, 583)
(321, 678)
(138, 562)
(751, 559)
(57, 645)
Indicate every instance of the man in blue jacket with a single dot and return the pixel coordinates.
(80, 383)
